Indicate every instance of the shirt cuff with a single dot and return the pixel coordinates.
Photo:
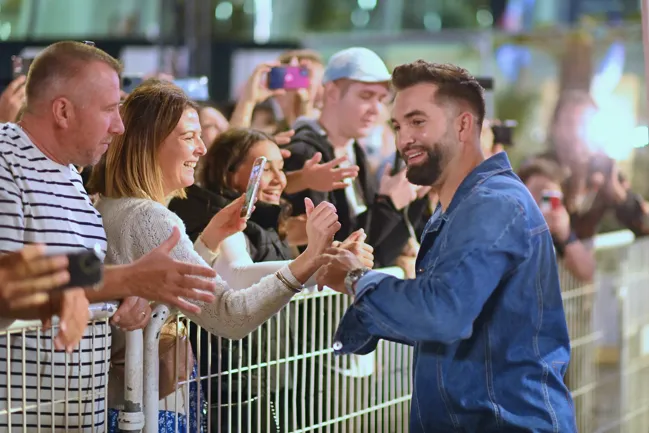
(208, 255)
(367, 282)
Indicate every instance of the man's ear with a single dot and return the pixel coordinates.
(62, 112)
(465, 126)
(331, 92)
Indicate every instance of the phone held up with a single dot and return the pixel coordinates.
(86, 269)
(289, 78)
(551, 200)
(253, 187)
(20, 65)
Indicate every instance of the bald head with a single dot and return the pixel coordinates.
(56, 69)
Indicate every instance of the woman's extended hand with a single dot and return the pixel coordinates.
(321, 226)
(224, 224)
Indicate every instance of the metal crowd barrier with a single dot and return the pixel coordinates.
(284, 376)
(36, 387)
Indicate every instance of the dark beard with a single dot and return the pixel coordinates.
(427, 173)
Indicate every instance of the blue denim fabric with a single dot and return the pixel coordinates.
(484, 314)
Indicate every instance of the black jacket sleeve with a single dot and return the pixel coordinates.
(301, 151)
(390, 243)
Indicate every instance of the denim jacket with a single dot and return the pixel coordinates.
(484, 314)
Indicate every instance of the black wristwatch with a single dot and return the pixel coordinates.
(352, 278)
(561, 246)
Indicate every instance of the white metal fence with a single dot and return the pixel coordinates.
(44, 390)
(284, 376)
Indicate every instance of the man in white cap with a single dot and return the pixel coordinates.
(356, 85)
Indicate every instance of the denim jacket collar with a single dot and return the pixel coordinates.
(499, 163)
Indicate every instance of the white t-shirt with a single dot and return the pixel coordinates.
(45, 202)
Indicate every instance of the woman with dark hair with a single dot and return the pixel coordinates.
(153, 161)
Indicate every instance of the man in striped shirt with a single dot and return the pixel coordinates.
(71, 115)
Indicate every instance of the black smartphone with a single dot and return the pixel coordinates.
(130, 83)
(504, 133)
(86, 269)
(253, 186)
(487, 83)
(20, 65)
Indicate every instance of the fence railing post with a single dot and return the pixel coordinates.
(151, 366)
(131, 419)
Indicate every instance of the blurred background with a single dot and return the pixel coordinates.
(532, 48)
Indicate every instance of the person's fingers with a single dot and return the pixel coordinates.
(125, 308)
(40, 284)
(233, 209)
(345, 173)
(326, 220)
(19, 95)
(31, 301)
(335, 162)
(30, 252)
(285, 152)
(197, 271)
(16, 84)
(181, 304)
(315, 159)
(323, 259)
(339, 185)
(355, 236)
(170, 243)
(196, 288)
(47, 265)
(32, 263)
(324, 208)
(308, 204)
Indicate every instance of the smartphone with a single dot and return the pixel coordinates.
(86, 269)
(486, 83)
(289, 78)
(20, 65)
(253, 186)
(130, 83)
(504, 133)
(196, 88)
(551, 200)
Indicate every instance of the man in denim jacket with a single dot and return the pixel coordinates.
(484, 314)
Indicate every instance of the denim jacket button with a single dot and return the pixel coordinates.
(338, 345)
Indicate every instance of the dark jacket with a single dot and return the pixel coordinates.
(484, 314)
(381, 217)
(264, 242)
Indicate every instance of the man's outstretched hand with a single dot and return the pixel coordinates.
(335, 263)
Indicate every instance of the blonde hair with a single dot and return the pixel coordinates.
(130, 166)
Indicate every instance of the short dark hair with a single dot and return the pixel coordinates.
(453, 83)
(541, 167)
(63, 60)
(226, 154)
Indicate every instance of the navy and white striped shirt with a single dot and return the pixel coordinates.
(42, 201)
